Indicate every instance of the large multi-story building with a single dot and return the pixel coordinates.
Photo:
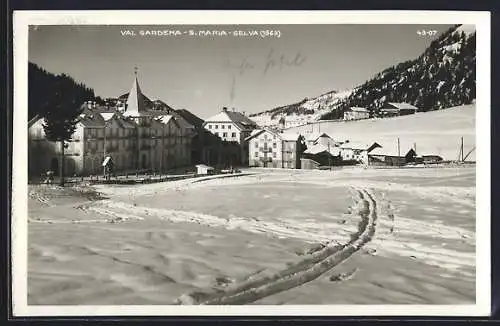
(232, 127)
(269, 148)
(138, 134)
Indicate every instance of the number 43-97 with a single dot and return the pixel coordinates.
(424, 32)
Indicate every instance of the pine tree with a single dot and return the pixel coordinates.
(60, 112)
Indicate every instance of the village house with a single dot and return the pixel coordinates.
(232, 127)
(269, 148)
(356, 113)
(319, 155)
(428, 158)
(135, 136)
(356, 152)
(390, 156)
(323, 138)
(392, 109)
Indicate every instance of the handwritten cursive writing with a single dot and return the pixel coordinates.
(271, 61)
(282, 61)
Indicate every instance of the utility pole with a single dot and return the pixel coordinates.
(462, 149)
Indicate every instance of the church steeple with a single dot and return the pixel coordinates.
(135, 100)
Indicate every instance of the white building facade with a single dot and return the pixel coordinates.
(232, 126)
(268, 148)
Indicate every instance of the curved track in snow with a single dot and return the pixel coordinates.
(313, 266)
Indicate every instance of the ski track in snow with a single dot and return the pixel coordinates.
(401, 242)
(314, 265)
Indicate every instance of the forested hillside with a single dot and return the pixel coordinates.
(44, 88)
(443, 76)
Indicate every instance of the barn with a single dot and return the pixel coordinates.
(392, 109)
(387, 156)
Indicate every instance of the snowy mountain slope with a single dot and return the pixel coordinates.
(302, 112)
(441, 77)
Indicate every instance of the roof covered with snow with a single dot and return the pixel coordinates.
(402, 106)
(107, 115)
(33, 120)
(358, 109)
(239, 119)
(390, 151)
(320, 148)
(92, 120)
(315, 135)
(359, 145)
(289, 136)
(165, 118)
(204, 166)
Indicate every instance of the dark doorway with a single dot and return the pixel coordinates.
(54, 166)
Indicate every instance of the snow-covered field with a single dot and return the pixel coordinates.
(353, 236)
(436, 132)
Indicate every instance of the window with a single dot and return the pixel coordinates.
(256, 154)
(274, 145)
(216, 126)
(229, 127)
(274, 154)
(265, 136)
(233, 134)
(256, 145)
(222, 126)
(217, 134)
(224, 134)
(209, 126)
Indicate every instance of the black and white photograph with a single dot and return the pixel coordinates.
(275, 164)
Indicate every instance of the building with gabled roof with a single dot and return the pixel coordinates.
(140, 135)
(227, 117)
(390, 156)
(357, 151)
(314, 138)
(356, 113)
(391, 109)
(270, 148)
(233, 127)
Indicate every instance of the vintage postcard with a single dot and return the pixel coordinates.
(251, 163)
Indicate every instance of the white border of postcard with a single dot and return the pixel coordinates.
(21, 21)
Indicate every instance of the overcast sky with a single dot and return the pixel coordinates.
(205, 73)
